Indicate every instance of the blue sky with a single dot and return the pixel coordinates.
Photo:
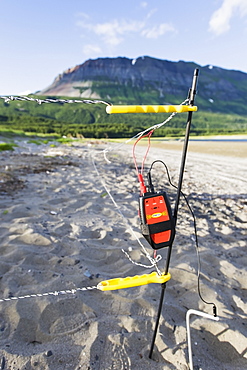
(40, 39)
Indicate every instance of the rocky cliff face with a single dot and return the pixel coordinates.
(148, 80)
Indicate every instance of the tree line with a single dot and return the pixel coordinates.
(91, 121)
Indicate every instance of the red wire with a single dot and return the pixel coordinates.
(143, 189)
(149, 134)
(149, 144)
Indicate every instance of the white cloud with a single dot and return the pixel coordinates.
(82, 15)
(144, 4)
(112, 33)
(220, 20)
(91, 50)
(152, 11)
(157, 31)
(109, 32)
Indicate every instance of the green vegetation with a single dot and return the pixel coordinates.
(40, 141)
(65, 140)
(7, 146)
(33, 141)
(91, 121)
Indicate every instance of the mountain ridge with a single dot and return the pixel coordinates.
(147, 80)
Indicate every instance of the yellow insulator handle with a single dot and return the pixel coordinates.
(132, 281)
(150, 108)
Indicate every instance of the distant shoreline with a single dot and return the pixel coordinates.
(223, 145)
(238, 138)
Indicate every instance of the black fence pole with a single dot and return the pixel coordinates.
(191, 97)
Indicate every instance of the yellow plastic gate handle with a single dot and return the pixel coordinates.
(132, 281)
(150, 108)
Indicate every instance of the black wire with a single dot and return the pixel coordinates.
(167, 171)
(195, 230)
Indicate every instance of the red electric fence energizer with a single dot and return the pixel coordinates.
(157, 223)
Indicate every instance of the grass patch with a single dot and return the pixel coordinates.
(40, 141)
(7, 146)
(11, 133)
(65, 140)
(33, 141)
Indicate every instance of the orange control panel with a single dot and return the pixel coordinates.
(156, 219)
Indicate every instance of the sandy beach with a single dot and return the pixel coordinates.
(61, 233)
